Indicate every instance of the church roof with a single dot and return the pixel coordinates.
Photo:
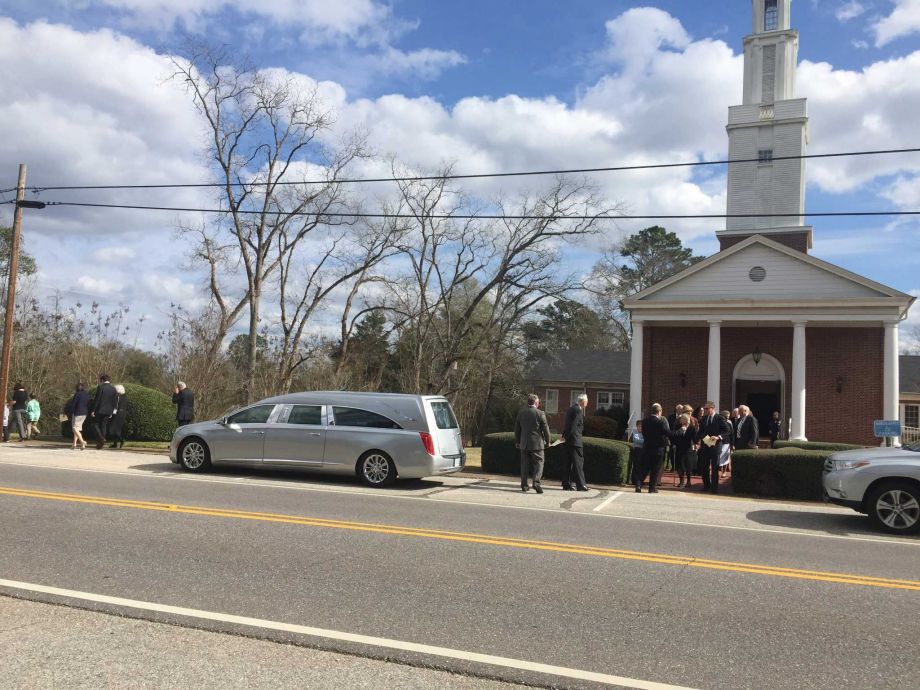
(785, 275)
(581, 366)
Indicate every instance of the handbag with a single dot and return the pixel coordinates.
(63, 417)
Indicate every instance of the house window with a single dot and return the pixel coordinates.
(551, 404)
(770, 15)
(765, 155)
(912, 416)
(608, 399)
(573, 398)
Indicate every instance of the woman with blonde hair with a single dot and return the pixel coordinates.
(683, 438)
(117, 423)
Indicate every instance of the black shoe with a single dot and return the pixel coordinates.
(582, 488)
(538, 489)
(100, 445)
(653, 491)
(567, 488)
(525, 489)
(638, 489)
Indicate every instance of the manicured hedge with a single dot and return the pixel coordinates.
(817, 445)
(606, 460)
(150, 416)
(780, 473)
(597, 426)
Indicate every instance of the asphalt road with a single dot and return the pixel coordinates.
(470, 575)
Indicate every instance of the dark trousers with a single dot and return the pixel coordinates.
(6, 433)
(183, 422)
(101, 427)
(652, 458)
(574, 460)
(709, 461)
(682, 463)
(531, 467)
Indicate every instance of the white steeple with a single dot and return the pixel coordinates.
(771, 123)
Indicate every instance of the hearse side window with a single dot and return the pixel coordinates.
(306, 414)
(252, 415)
(444, 416)
(350, 416)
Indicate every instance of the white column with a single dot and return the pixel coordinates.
(890, 387)
(714, 377)
(635, 373)
(797, 427)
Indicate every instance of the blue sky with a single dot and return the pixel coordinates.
(491, 85)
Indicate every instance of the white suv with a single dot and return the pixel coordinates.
(883, 483)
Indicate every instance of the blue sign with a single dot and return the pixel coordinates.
(886, 427)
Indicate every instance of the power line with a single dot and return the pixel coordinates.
(464, 216)
(472, 176)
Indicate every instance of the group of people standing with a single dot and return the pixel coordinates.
(689, 441)
(106, 412)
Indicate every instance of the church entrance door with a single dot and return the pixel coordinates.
(759, 385)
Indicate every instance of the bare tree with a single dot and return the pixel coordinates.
(265, 143)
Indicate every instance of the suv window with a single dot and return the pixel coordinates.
(350, 416)
(306, 414)
(444, 416)
(252, 415)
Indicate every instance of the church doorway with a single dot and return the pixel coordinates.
(759, 385)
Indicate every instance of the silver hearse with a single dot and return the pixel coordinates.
(377, 436)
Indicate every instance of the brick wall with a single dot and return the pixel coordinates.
(557, 421)
(854, 354)
(857, 356)
(670, 352)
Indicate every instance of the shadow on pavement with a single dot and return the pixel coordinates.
(839, 524)
(292, 476)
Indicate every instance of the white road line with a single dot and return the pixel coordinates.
(372, 493)
(386, 643)
(610, 499)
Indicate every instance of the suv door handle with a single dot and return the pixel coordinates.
(314, 433)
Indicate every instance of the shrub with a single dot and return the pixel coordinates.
(817, 445)
(780, 473)
(606, 460)
(597, 426)
(150, 416)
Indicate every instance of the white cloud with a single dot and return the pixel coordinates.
(99, 286)
(849, 10)
(903, 21)
(113, 254)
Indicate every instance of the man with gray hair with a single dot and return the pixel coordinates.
(657, 433)
(531, 436)
(184, 400)
(574, 446)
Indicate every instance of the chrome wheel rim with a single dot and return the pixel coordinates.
(898, 509)
(193, 455)
(376, 468)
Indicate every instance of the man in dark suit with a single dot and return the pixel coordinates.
(656, 431)
(184, 400)
(714, 431)
(748, 432)
(531, 435)
(574, 446)
(103, 407)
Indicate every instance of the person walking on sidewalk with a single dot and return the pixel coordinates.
(117, 423)
(20, 417)
(34, 413)
(103, 407)
(77, 409)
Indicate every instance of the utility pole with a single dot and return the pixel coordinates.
(13, 270)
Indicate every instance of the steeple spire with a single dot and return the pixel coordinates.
(770, 123)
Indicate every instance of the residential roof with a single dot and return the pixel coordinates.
(581, 366)
(909, 370)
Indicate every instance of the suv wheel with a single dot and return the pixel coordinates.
(376, 469)
(194, 455)
(895, 507)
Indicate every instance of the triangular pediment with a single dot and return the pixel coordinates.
(760, 269)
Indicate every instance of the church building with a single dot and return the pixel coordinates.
(764, 322)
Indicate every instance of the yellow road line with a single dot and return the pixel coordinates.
(598, 551)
